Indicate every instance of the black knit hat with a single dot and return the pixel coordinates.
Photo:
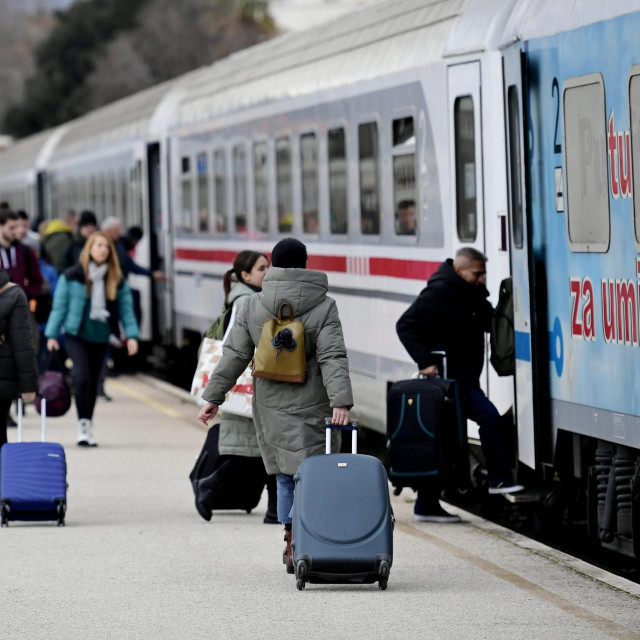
(289, 254)
(87, 218)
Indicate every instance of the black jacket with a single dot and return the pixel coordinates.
(449, 315)
(18, 372)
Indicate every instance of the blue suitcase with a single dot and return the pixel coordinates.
(33, 478)
(342, 518)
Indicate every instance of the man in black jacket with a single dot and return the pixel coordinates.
(452, 315)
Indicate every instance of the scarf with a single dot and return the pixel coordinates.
(98, 297)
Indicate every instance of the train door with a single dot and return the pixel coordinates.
(465, 140)
(520, 244)
(160, 295)
(465, 129)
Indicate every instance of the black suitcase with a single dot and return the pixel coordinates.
(342, 518)
(235, 482)
(426, 434)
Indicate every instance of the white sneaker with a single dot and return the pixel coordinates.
(505, 487)
(85, 434)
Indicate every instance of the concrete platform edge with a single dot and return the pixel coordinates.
(554, 555)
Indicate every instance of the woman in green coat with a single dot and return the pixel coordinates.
(289, 417)
(237, 436)
(87, 296)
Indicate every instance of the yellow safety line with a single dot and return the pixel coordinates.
(140, 396)
(605, 625)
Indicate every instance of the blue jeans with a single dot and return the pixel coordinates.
(286, 485)
(483, 412)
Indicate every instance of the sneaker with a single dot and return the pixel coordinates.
(435, 514)
(271, 518)
(85, 434)
(505, 487)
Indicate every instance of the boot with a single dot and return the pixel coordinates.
(286, 554)
(271, 517)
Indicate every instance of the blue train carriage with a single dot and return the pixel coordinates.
(577, 243)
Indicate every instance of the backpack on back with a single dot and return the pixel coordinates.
(280, 354)
(503, 350)
(218, 327)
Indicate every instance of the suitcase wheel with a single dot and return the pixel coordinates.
(382, 584)
(301, 569)
(300, 583)
(248, 510)
(61, 509)
(5, 509)
(384, 570)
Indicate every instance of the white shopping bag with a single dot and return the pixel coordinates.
(238, 400)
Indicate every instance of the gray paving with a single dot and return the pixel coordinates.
(136, 561)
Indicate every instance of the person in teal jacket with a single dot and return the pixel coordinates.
(87, 296)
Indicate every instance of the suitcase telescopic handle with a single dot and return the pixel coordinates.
(352, 426)
(444, 361)
(43, 418)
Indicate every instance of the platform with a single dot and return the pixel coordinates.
(136, 561)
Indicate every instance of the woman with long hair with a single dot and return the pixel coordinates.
(87, 295)
(237, 435)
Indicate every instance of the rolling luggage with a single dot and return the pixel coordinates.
(233, 482)
(426, 434)
(342, 518)
(33, 478)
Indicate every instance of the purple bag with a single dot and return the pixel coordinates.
(54, 388)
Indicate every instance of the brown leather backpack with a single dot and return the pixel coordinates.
(280, 354)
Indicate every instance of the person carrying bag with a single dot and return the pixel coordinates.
(18, 370)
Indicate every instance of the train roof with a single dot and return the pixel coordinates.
(29, 153)
(381, 39)
(374, 42)
(131, 118)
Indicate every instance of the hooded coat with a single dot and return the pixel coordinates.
(18, 371)
(289, 417)
(449, 315)
(238, 434)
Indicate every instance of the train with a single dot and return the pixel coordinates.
(385, 141)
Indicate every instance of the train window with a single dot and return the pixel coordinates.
(283, 183)
(337, 181)
(93, 191)
(124, 198)
(203, 191)
(465, 150)
(102, 196)
(404, 177)
(114, 198)
(240, 188)
(187, 200)
(261, 181)
(515, 167)
(587, 203)
(634, 107)
(309, 168)
(220, 168)
(368, 149)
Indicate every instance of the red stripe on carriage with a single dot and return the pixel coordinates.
(388, 267)
(408, 269)
(206, 255)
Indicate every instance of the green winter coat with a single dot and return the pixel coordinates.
(289, 417)
(238, 434)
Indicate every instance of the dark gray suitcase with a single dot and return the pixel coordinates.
(342, 518)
